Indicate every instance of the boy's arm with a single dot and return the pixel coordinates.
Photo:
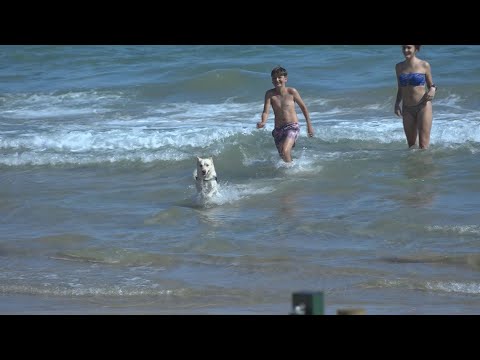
(306, 114)
(266, 110)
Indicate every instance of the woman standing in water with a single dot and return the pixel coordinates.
(412, 76)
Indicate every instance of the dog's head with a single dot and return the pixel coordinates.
(205, 167)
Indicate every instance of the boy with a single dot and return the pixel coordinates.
(283, 101)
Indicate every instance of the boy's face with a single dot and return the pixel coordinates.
(279, 80)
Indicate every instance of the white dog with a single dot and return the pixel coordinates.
(205, 177)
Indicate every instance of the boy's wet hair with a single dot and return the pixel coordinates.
(279, 71)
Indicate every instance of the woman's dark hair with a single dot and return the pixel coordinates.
(417, 47)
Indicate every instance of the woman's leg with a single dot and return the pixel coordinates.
(410, 125)
(424, 119)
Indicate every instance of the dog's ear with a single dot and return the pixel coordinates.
(198, 159)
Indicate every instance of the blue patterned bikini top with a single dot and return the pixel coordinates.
(412, 79)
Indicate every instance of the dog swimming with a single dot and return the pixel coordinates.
(205, 178)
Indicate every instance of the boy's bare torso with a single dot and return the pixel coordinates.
(283, 105)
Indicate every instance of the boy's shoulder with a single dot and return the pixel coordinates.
(292, 90)
(273, 91)
(270, 92)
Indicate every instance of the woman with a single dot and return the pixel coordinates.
(412, 76)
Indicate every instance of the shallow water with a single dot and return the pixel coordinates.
(98, 210)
